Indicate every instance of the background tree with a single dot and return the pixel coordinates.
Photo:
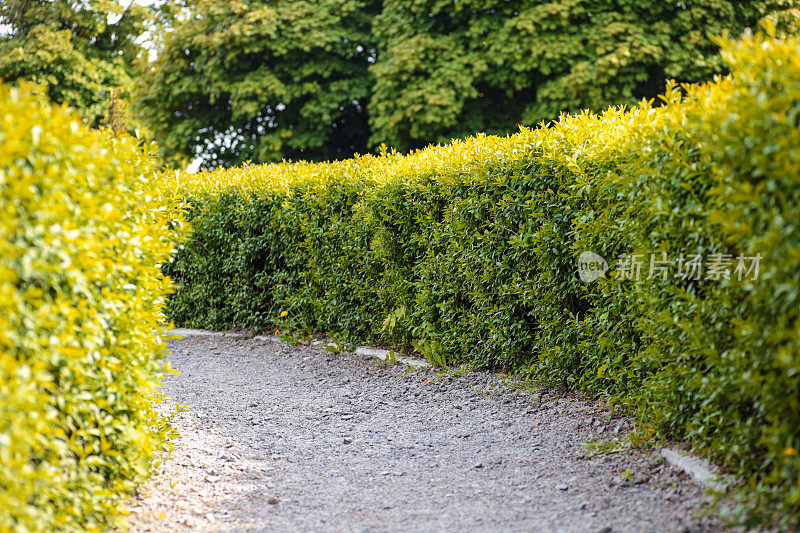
(83, 50)
(320, 79)
(449, 68)
(263, 80)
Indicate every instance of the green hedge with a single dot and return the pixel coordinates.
(81, 318)
(468, 252)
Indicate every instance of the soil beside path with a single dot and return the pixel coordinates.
(285, 438)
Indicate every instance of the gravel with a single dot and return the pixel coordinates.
(296, 438)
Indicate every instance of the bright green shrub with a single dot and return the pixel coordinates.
(714, 362)
(81, 318)
(468, 253)
(750, 132)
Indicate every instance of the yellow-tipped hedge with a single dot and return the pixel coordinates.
(468, 252)
(81, 299)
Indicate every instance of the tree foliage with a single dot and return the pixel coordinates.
(449, 68)
(321, 79)
(83, 50)
(263, 81)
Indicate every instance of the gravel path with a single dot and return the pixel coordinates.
(288, 438)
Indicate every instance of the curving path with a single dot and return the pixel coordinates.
(293, 438)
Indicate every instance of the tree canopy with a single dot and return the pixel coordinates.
(83, 50)
(263, 80)
(321, 79)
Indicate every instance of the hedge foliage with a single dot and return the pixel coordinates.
(81, 318)
(468, 253)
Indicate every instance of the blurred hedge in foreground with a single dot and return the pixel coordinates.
(468, 253)
(81, 317)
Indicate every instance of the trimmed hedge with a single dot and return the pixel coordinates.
(81, 318)
(468, 253)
